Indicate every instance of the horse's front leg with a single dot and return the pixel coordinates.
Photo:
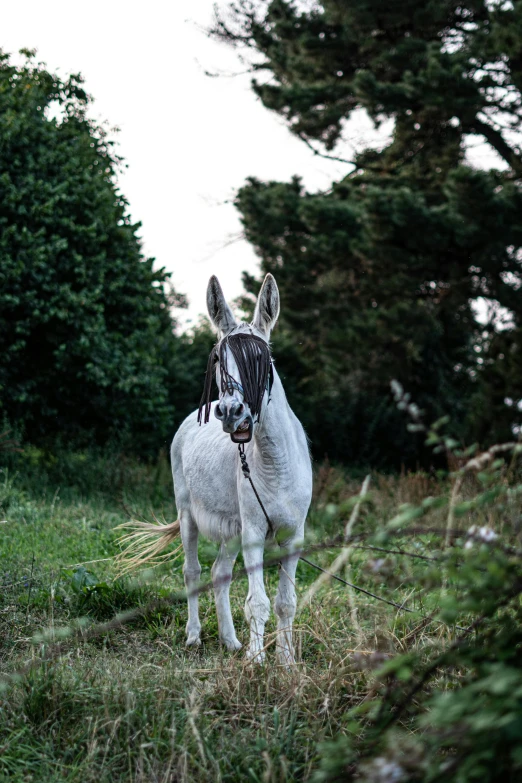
(285, 602)
(221, 577)
(257, 605)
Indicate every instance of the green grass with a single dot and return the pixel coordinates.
(132, 704)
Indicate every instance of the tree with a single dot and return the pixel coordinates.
(86, 332)
(379, 277)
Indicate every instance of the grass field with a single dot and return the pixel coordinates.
(130, 703)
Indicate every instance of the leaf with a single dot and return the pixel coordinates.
(400, 665)
(408, 515)
(440, 423)
(435, 502)
(81, 579)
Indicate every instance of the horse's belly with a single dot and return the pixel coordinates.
(213, 524)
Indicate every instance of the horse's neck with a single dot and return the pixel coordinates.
(273, 437)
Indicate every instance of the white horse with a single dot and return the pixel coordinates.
(214, 498)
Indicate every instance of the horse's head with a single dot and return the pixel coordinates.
(241, 361)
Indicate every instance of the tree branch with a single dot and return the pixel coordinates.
(497, 141)
(324, 154)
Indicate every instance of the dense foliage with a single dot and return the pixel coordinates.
(379, 276)
(87, 348)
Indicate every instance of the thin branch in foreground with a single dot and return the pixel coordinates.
(396, 552)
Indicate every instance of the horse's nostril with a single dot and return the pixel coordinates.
(240, 409)
(219, 412)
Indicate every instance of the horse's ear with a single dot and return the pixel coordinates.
(267, 307)
(218, 310)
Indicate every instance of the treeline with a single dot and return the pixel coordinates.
(409, 268)
(88, 350)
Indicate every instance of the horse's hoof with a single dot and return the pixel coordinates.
(193, 640)
(256, 656)
(232, 644)
(286, 662)
(285, 658)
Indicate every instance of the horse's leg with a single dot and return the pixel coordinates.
(257, 605)
(191, 573)
(221, 577)
(285, 602)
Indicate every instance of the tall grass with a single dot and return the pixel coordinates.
(378, 694)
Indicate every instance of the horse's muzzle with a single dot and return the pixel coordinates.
(235, 420)
(243, 432)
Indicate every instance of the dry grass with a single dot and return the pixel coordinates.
(133, 704)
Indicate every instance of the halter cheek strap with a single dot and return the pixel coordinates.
(231, 383)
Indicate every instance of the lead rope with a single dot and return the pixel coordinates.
(246, 474)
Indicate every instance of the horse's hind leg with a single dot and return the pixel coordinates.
(191, 573)
(221, 578)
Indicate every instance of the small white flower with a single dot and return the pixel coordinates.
(383, 770)
(414, 410)
(486, 534)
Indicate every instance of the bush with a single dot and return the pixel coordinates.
(452, 710)
(86, 334)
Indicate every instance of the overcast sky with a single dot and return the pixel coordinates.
(189, 140)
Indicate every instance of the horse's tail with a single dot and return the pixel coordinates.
(143, 544)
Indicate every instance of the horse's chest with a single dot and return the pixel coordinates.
(285, 502)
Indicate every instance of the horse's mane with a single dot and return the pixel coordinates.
(254, 364)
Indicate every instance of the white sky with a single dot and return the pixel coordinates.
(189, 140)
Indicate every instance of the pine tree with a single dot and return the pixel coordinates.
(379, 275)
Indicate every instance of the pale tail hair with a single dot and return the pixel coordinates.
(143, 544)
